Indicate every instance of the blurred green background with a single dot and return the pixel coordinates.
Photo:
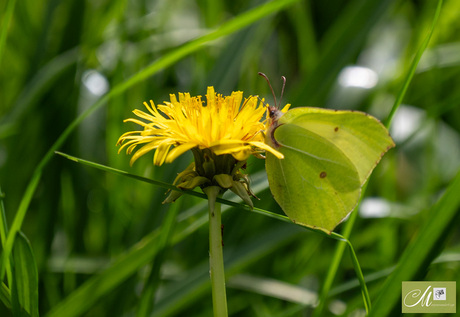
(60, 57)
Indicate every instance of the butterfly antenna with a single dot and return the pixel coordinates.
(282, 89)
(271, 88)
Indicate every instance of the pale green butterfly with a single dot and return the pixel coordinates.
(328, 156)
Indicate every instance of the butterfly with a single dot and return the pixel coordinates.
(328, 156)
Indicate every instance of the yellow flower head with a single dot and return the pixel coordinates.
(223, 126)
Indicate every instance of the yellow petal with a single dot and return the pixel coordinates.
(178, 151)
(242, 155)
(146, 148)
(222, 149)
(161, 153)
(267, 148)
(286, 108)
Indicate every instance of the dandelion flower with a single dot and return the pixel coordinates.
(221, 135)
(222, 125)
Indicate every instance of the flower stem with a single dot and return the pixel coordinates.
(216, 259)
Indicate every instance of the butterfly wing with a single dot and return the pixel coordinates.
(328, 157)
(361, 137)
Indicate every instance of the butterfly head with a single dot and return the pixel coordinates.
(274, 113)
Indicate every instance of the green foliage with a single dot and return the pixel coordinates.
(104, 245)
(25, 285)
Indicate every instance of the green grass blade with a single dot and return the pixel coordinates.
(359, 274)
(338, 254)
(413, 66)
(171, 187)
(187, 192)
(3, 223)
(423, 249)
(193, 193)
(5, 25)
(5, 294)
(25, 277)
(16, 226)
(238, 23)
(124, 173)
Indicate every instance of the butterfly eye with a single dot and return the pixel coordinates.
(272, 111)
